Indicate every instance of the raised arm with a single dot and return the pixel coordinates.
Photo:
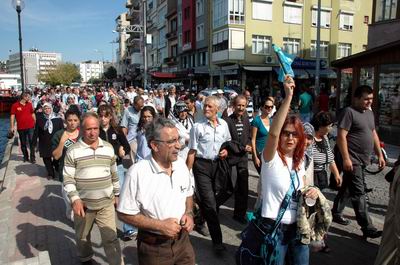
(276, 126)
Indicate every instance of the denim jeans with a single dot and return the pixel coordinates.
(121, 175)
(290, 247)
(26, 137)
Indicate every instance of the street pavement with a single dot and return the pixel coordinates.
(35, 228)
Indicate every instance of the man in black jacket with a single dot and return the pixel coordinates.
(239, 128)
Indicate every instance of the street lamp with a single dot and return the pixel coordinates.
(19, 5)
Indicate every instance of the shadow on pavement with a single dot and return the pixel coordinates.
(29, 169)
(58, 242)
(49, 206)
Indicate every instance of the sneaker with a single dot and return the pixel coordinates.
(202, 230)
(341, 220)
(130, 234)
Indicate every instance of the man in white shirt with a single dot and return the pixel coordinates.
(157, 198)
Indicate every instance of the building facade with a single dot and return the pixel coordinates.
(227, 43)
(378, 67)
(91, 70)
(35, 63)
(123, 60)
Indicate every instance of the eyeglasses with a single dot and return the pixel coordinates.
(287, 134)
(169, 142)
(268, 107)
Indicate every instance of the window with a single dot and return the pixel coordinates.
(261, 44)
(186, 38)
(385, 10)
(173, 25)
(220, 41)
(174, 50)
(291, 46)
(323, 49)
(237, 39)
(325, 18)
(200, 32)
(236, 11)
(199, 8)
(262, 10)
(220, 13)
(186, 14)
(344, 49)
(292, 14)
(202, 58)
(346, 21)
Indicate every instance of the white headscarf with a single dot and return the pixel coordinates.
(49, 124)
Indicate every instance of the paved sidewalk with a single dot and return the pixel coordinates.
(32, 214)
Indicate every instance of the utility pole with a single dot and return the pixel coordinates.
(145, 44)
(318, 51)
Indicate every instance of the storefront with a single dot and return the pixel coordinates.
(380, 69)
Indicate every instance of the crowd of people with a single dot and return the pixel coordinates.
(162, 162)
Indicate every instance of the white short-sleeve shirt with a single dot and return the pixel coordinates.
(275, 181)
(150, 191)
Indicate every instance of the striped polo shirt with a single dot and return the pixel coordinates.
(91, 175)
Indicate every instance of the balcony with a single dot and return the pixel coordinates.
(227, 55)
(171, 60)
(171, 35)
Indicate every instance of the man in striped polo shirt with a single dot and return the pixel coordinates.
(91, 182)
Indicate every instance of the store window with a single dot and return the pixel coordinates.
(367, 76)
(389, 97)
(345, 87)
(262, 10)
(323, 49)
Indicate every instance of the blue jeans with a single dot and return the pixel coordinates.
(26, 137)
(290, 248)
(121, 174)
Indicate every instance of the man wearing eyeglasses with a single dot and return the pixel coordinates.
(206, 138)
(157, 198)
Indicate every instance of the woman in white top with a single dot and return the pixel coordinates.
(283, 160)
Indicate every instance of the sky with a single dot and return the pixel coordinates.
(78, 29)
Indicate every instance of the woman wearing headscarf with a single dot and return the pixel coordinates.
(47, 124)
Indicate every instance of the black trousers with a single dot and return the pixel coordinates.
(353, 188)
(26, 137)
(51, 166)
(241, 188)
(203, 171)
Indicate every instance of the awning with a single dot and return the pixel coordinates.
(163, 75)
(324, 73)
(298, 73)
(258, 68)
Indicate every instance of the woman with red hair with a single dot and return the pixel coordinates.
(282, 179)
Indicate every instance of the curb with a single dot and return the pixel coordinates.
(4, 163)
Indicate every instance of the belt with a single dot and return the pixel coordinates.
(155, 239)
(206, 160)
(285, 227)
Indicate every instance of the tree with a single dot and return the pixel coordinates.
(110, 73)
(95, 81)
(64, 73)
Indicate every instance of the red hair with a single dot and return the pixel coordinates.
(299, 151)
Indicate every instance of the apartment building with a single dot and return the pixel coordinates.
(378, 67)
(35, 62)
(91, 70)
(228, 42)
(122, 55)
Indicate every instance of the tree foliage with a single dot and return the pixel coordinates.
(64, 73)
(110, 73)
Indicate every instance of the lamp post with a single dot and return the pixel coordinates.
(19, 5)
